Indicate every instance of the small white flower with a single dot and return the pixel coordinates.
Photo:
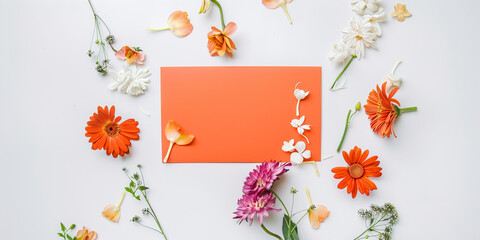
(298, 123)
(300, 95)
(340, 53)
(359, 6)
(297, 157)
(288, 146)
(361, 34)
(130, 79)
(377, 18)
(391, 79)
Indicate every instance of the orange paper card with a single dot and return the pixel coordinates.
(240, 114)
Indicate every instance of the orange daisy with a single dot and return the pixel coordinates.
(105, 131)
(356, 175)
(381, 111)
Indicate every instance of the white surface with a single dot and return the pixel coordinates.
(50, 88)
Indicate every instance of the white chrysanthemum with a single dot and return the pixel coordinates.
(359, 6)
(340, 53)
(377, 18)
(361, 34)
(131, 79)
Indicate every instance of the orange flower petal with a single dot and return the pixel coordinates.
(111, 213)
(185, 139)
(172, 131)
(318, 215)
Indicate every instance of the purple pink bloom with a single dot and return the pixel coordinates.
(257, 198)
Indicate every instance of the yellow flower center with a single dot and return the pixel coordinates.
(358, 37)
(356, 170)
(111, 129)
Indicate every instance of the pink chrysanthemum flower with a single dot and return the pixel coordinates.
(261, 179)
(251, 205)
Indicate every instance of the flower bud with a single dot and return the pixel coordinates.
(358, 106)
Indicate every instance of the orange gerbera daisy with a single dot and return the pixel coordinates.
(356, 175)
(382, 111)
(105, 132)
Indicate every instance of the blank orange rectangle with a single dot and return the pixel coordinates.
(239, 114)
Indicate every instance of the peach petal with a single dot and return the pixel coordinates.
(111, 213)
(272, 4)
(230, 29)
(172, 131)
(318, 215)
(185, 139)
(179, 24)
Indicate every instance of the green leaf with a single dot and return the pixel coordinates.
(138, 197)
(142, 188)
(132, 184)
(129, 190)
(69, 238)
(61, 235)
(63, 227)
(289, 229)
(71, 226)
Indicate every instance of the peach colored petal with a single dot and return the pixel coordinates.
(172, 131)
(318, 215)
(120, 54)
(271, 3)
(111, 213)
(230, 29)
(179, 24)
(185, 139)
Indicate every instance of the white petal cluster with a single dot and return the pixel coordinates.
(363, 31)
(130, 80)
(359, 6)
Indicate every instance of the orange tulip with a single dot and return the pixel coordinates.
(175, 135)
(178, 23)
(84, 234)
(112, 212)
(219, 42)
(316, 213)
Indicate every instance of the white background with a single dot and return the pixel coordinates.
(50, 88)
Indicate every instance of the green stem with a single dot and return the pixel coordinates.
(408, 109)
(221, 13)
(344, 131)
(341, 73)
(154, 215)
(143, 225)
(286, 210)
(265, 229)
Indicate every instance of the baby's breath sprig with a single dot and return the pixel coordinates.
(64, 234)
(137, 188)
(379, 221)
(98, 38)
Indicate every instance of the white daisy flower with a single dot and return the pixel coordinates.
(340, 53)
(361, 34)
(376, 19)
(359, 6)
(130, 79)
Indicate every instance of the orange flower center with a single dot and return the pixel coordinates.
(356, 170)
(358, 37)
(111, 129)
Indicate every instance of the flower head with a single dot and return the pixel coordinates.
(401, 12)
(112, 212)
(85, 234)
(219, 42)
(131, 80)
(341, 53)
(205, 6)
(381, 111)
(105, 131)
(359, 6)
(272, 4)
(360, 35)
(250, 205)
(376, 19)
(135, 55)
(179, 24)
(356, 177)
(261, 179)
(175, 135)
(316, 213)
